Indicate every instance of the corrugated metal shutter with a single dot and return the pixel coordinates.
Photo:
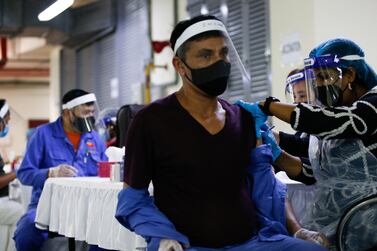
(86, 66)
(106, 66)
(134, 50)
(67, 70)
(247, 25)
(119, 57)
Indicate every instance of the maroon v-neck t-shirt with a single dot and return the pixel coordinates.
(199, 179)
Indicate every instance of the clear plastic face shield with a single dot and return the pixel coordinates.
(4, 118)
(295, 88)
(323, 77)
(106, 122)
(83, 111)
(213, 60)
(324, 80)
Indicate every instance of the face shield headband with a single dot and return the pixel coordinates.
(82, 124)
(214, 78)
(290, 82)
(323, 76)
(3, 112)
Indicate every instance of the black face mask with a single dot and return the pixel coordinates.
(330, 95)
(83, 125)
(212, 79)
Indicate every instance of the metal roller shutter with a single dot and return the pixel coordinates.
(119, 57)
(247, 24)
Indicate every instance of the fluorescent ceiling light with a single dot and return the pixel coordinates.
(54, 9)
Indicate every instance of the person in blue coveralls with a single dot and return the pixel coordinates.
(199, 150)
(68, 147)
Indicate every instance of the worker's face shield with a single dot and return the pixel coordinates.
(105, 123)
(323, 78)
(295, 88)
(82, 111)
(210, 60)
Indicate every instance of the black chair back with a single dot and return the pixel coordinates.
(124, 118)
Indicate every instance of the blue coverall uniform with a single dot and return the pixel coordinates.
(50, 147)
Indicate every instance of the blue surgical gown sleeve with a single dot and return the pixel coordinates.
(136, 211)
(268, 195)
(29, 172)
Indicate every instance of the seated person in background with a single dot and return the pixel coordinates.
(67, 147)
(295, 91)
(10, 210)
(195, 148)
(297, 144)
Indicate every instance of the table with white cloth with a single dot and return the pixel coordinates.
(83, 208)
(300, 195)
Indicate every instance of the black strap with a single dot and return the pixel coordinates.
(266, 107)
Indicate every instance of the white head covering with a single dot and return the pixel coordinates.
(90, 97)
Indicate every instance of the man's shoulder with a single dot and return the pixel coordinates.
(157, 107)
(235, 110)
(48, 127)
(46, 131)
(228, 106)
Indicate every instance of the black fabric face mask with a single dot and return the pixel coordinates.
(83, 125)
(330, 95)
(212, 79)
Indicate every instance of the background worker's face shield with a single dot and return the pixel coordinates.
(82, 111)
(323, 78)
(106, 122)
(211, 64)
(295, 88)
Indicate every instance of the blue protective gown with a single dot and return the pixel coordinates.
(50, 147)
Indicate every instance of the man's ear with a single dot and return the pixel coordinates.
(179, 66)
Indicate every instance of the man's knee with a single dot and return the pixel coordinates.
(27, 236)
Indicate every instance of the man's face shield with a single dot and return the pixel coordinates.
(295, 88)
(82, 112)
(213, 60)
(323, 78)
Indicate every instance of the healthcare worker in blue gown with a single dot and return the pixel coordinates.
(68, 147)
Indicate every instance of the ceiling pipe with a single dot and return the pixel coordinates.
(24, 72)
(4, 57)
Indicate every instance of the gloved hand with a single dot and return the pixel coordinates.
(62, 170)
(269, 138)
(259, 116)
(169, 245)
(312, 236)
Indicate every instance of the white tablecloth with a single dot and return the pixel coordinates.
(300, 195)
(84, 208)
